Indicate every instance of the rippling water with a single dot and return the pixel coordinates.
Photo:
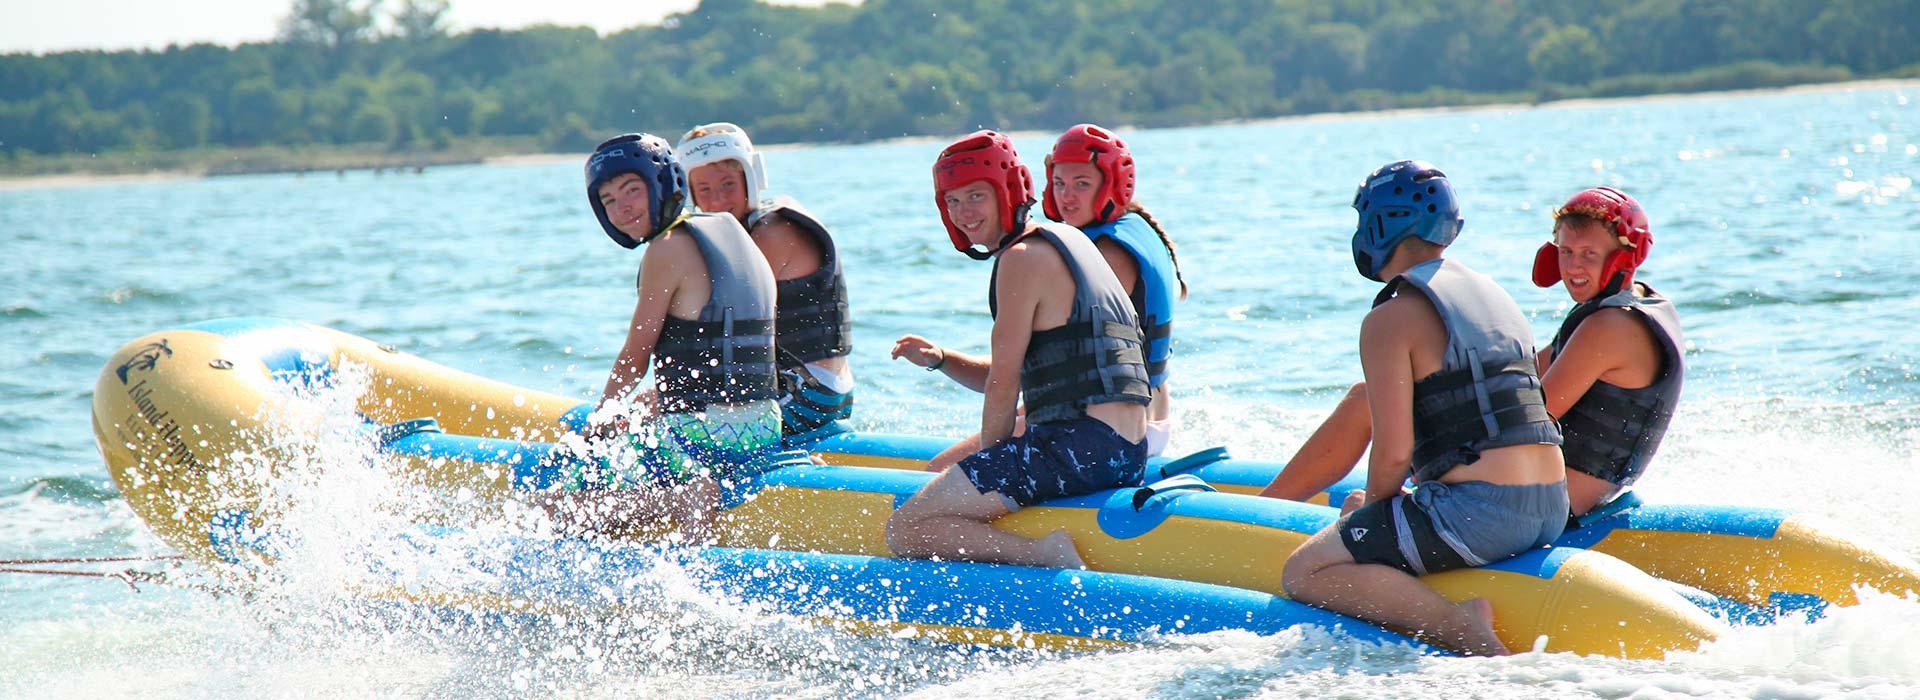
(1785, 227)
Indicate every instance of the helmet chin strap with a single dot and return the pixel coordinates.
(1614, 285)
(977, 254)
(676, 222)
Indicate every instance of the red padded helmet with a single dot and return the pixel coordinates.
(1086, 143)
(983, 155)
(1612, 207)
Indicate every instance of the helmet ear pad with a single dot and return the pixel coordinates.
(1546, 265)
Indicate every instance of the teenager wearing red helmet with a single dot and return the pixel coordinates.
(1090, 187)
(1066, 341)
(1614, 370)
(814, 332)
(1456, 406)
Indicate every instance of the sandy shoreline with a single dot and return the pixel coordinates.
(86, 180)
(35, 182)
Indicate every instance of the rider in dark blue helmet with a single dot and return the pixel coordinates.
(704, 325)
(1454, 402)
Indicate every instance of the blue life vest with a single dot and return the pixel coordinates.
(1158, 288)
(1487, 393)
(726, 355)
(1095, 357)
(1612, 432)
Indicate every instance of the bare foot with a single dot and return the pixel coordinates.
(1057, 549)
(1355, 499)
(1472, 623)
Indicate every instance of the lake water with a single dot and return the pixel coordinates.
(1786, 229)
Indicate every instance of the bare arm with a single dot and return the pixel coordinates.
(658, 281)
(1613, 346)
(1387, 361)
(967, 370)
(791, 252)
(1018, 298)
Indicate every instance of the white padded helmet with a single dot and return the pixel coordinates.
(724, 141)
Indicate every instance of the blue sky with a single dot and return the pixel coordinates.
(58, 25)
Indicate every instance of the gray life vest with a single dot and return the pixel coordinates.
(726, 356)
(1097, 356)
(814, 323)
(1612, 433)
(1487, 393)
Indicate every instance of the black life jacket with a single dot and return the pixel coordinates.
(1487, 393)
(1612, 433)
(726, 356)
(1097, 356)
(814, 323)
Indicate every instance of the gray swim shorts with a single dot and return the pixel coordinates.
(1440, 526)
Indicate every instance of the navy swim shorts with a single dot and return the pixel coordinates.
(1056, 459)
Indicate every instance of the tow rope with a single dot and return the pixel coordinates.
(131, 576)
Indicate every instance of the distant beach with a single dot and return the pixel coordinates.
(262, 163)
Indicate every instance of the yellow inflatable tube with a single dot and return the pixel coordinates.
(187, 419)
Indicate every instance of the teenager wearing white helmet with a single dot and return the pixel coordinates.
(814, 329)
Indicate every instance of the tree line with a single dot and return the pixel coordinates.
(884, 68)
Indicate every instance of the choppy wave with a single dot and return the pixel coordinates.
(137, 294)
(21, 312)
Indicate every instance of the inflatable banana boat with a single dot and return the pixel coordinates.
(1755, 563)
(192, 424)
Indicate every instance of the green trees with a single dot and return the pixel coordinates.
(420, 20)
(1569, 55)
(888, 68)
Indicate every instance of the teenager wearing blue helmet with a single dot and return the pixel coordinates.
(814, 332)
(704, 325)
(1455, 403)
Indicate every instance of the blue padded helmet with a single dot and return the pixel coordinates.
(652, 159)
(1402, 200)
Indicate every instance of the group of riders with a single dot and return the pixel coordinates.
(742, 319)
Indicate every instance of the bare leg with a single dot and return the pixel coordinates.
(968, 445)
(1058, 546)
(951, 519)
(1323, 573)
(954, 453)
(1330, 452)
